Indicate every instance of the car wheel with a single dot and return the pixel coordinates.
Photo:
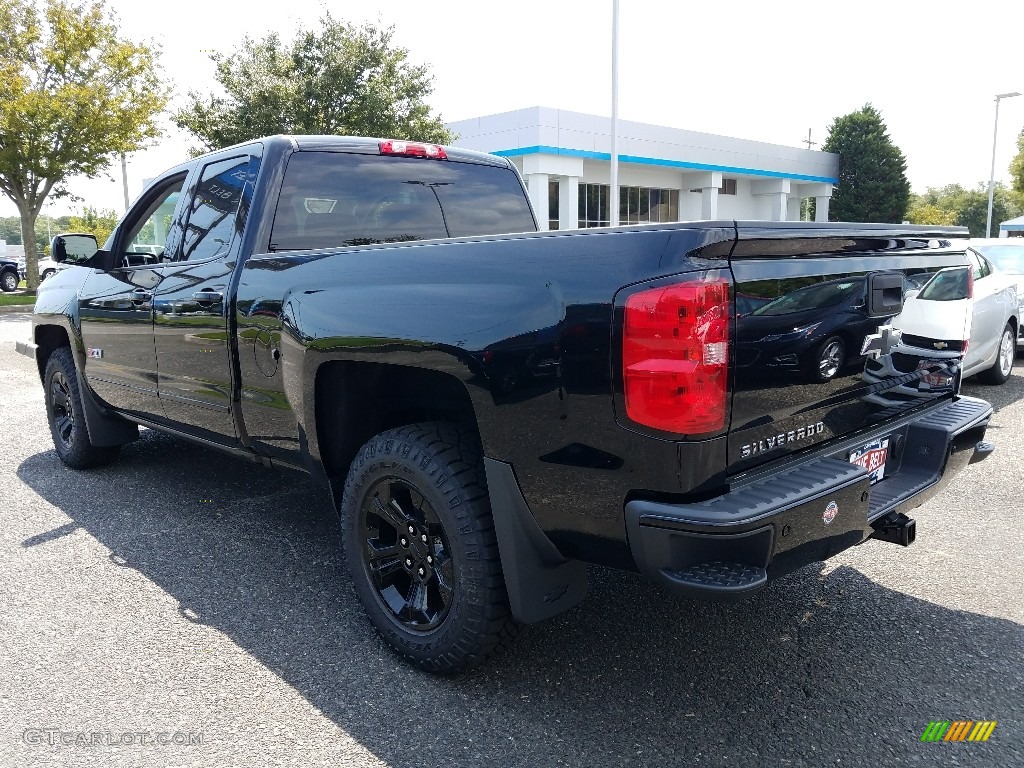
(9, 281)
(420, 546)
(48, 273)
(830, 358)
(66, 416)
(1001, 369)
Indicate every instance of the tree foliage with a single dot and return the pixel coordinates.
(342, 79)
(72, 96)
(873, 183)
(955, 205)
(1017, 169)
(10, 230)
(99, 223)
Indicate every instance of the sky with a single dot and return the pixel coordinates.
(764, 71)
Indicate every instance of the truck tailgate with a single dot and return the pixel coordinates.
(818, 348)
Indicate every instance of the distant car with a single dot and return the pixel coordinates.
(816, 329)
(1006, 254)
(47, 267)
(930, 320)
(9, 277)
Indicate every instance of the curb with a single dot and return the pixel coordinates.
(12, 308)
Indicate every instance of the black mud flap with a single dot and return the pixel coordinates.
(540, 582)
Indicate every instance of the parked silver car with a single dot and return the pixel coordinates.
(930, 321)
(1006, 254)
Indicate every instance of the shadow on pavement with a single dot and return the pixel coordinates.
(817, 669)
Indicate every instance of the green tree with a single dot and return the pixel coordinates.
(72, 97)
(958, 206)
(340, 79)
(873, 183)
(99, 223)
(1017, 171)
(10, 230)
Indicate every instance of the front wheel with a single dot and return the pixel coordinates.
(420, 546)
(66, 415)
(1001, 369)
(9, 281)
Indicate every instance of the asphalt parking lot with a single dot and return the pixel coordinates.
(182, 596)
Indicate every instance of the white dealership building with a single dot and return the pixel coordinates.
(665, 174)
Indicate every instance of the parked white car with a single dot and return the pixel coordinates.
(1006, 254)
(932, 317)
(47, 267)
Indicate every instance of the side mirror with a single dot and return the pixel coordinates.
(910, 294)
(73, 247)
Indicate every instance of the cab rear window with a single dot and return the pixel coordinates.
(332, 199)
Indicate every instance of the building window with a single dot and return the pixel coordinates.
(552, 205)
(637, 205)
(728, 187)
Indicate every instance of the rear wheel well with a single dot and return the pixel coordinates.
(357, 400)
(48, 338)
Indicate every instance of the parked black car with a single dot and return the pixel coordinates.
(816, 329)
(9, 278)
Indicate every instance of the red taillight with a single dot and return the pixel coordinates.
(675, 356)
(413, 149)
(970, 283)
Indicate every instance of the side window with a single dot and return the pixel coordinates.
(986, 268)
(146, 239)
(976, 266)
(213, 223)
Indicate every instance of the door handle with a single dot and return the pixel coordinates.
(141, 296)
(208, 297)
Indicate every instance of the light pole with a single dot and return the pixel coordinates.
(992, 173)
(613, 186)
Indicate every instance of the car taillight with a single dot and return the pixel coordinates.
(675, 356)
(970, 283)
(413, 149)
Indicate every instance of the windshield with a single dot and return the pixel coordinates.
(948, 285)
(1006, 258)
(811, 297)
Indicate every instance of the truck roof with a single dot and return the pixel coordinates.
(311, 143)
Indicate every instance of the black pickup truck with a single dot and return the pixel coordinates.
(713, 404)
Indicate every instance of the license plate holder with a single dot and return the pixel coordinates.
(872, 457)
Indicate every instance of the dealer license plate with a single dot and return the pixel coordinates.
(872, 457)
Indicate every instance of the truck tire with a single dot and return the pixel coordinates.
(420, 545)
(66, 415)
(9, 280)
(1001, 369)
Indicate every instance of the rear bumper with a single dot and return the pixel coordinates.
(804, 509)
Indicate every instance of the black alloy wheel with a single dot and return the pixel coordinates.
(406, 554)
(66, 417)
(62, 412)
(420, 546)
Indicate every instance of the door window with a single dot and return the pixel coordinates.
(979, 266)
(147, 236)
(213, 224)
